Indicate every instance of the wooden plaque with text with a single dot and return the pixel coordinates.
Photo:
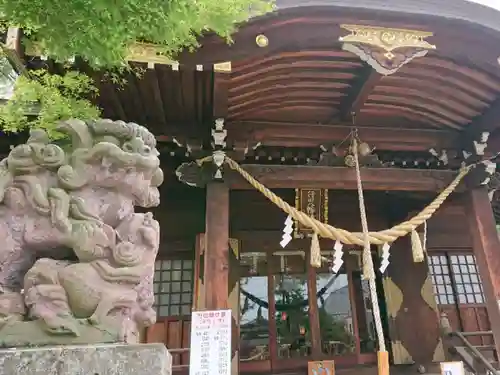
(321, 368)
(313, 202)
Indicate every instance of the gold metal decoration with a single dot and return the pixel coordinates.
(439, 355)
(148, 53)
(223, 67)
(138, 52)
(386, 38)
(385, 49)
(313, 202)
(394, 302)
(262, 41)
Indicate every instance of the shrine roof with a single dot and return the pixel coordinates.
(300, 89)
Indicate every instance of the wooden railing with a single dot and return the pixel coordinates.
(458, 344)
(178, 352)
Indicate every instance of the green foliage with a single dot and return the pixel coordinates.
(298, 316)
(44, 99)
(100, 31)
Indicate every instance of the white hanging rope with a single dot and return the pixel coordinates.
(368, 269)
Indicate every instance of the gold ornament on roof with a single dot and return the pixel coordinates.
(387, 39)
(261, 40)
(223, 67)
(385, 49)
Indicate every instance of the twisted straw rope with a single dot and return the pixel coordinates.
(367, 255)
(344, 236)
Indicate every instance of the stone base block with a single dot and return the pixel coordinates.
(105, 359)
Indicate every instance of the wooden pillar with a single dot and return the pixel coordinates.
(487, 252)
(315, 333)
(410, 300)
(216, 275)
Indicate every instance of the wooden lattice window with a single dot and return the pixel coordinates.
(455, 279)
(441, 280)
(173, 287)
(466, 278)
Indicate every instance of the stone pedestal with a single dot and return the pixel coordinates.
(106, 359)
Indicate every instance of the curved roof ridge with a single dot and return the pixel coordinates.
(463, 10)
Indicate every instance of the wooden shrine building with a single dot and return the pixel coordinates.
(418, 84)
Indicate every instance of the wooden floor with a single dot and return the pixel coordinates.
(433, 369)
(372, 370)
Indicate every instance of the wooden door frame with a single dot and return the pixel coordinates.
(274, 364)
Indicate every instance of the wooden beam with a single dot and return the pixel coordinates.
(221, 90)
(486, 244)
(343, 178)
(312, 135)
(313, 312)
(216, 270)
(359, 92)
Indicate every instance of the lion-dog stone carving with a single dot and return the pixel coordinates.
(76, 261)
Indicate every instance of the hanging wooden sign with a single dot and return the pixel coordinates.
(321, 368)
(313, 202)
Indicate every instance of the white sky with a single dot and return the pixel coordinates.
(491, 3)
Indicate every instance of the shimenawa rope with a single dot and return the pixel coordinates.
(364, 239)
(344, 236)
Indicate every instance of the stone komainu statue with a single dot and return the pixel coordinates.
(76, 261)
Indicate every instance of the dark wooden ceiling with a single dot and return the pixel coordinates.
(322, 86)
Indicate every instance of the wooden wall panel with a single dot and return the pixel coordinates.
(448, 228)
(175, 334)
(174, 329)
(181, 213)
(186, 340)
(258, 224)
(414, 323)
(251, 211)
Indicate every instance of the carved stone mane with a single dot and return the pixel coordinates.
(79, 197)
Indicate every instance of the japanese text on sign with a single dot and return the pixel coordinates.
(210, 352)
(452, 368)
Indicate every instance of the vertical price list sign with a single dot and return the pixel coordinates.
(210, 352)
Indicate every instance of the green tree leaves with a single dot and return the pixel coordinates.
(44, 99)
(101, 32)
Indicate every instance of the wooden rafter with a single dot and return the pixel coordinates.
(220, 95)
(221, 90)
(359, 92)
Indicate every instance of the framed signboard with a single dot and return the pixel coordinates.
(313, 202)
(210, 352)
